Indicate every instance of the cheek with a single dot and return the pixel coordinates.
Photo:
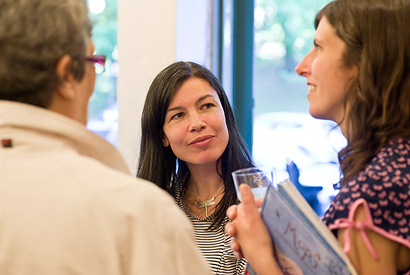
(317, 68)
(225, 133)
(173, 135)
(89, 80)
(92, 84)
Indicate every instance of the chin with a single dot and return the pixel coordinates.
(315, 115)
(204, 161)
(318, 113)
(322, 116)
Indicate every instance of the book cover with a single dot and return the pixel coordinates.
(303, 244)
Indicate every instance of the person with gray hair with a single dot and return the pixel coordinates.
(68, 203)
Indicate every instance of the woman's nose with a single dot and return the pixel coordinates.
(304, 67)
(196, 123)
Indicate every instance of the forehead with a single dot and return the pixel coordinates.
(325, 31)
(326, 36)
(192, 89)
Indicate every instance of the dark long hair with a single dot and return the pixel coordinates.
(158, 163)
(377, 37)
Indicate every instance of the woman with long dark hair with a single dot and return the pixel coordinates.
(190, 144)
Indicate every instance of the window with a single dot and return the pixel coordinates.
(102, 108)
(285, 135)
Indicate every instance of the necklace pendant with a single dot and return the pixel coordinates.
(205, 204)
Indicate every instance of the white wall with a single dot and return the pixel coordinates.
(194, 31)
(148, 41)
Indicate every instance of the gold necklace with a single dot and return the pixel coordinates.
(203, 204)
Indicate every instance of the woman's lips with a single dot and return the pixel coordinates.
(312, 88)
(201, 141)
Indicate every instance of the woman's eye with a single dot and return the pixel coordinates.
(176, 116)
(207, 106)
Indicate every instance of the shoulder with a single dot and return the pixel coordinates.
(151, 223)
(110, 190)
(392, 163)
(382, 187)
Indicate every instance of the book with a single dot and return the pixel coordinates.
(303, 244)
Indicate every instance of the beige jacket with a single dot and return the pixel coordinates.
(68, 205)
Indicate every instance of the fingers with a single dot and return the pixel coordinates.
(238, 255)
(235, 245)
(248, 200)
(236, 249)
(231, 212)
(230, 229)
(259, 203)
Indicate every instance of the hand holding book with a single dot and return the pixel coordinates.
(303, 244)
(251, 233)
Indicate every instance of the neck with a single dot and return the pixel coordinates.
(343, 128)
(67, 107)
(204, 183)
(204, 191)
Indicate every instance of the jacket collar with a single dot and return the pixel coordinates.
(34, 119)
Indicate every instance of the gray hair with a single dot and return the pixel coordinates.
(34, 35)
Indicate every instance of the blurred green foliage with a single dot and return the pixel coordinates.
(104, 36)
(284, 32)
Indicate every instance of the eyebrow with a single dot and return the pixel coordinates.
(317, 41)
(202, 98)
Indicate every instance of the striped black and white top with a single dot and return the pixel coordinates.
(214, 244)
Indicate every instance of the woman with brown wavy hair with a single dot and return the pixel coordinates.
(358, 73)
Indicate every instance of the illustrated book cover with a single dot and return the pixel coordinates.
(303, 244)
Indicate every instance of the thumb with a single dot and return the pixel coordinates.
(248, 200)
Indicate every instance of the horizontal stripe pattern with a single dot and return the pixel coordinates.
(214, 244)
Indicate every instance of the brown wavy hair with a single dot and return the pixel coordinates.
(377, 37)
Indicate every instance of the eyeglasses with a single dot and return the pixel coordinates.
(99, 62)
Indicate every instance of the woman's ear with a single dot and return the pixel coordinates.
(165, 141)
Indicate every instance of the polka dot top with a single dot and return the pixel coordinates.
(382, 188)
